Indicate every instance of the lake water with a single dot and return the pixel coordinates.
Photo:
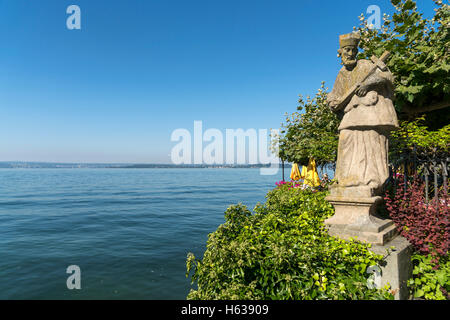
(129, 230)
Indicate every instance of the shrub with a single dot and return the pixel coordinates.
(282, 251)
(428, 281)
(425, 225)
(427, 228)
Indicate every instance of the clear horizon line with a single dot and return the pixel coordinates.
(133, 163)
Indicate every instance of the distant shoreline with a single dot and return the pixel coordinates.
(50, 165)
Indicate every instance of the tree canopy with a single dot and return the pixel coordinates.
(420, 58)
(311, 134)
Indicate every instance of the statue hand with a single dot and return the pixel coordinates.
(362, 91)
(368, 85)
(334, 104)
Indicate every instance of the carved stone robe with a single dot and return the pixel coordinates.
(365, 126)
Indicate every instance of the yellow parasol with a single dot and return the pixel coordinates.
(295, 172)
(310, 174)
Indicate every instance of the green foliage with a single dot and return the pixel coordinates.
(429, 282)
(420, 57)
(311, 134)
(282, 251)
(415, 137)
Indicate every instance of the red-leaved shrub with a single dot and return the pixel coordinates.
(425, 225)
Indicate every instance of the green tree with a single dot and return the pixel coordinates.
(414, 137)
(311, 134)
(420, 57)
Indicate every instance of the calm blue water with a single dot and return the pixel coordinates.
(129, 230)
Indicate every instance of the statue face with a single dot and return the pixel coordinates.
(348, 56)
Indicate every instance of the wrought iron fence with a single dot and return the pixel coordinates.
(431, 169)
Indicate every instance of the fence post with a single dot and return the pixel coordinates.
(444, 176)
(394, 175)
(436, 188)
(426, 173)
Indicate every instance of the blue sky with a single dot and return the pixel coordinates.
(115, 90)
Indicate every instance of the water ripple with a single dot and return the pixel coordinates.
(129, 230)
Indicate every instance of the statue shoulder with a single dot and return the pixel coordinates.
(365, 63)
(343, 72)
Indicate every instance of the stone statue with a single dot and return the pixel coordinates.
(368, 116)
(362, 98)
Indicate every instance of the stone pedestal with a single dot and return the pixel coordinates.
(355, 216)
(398, 267)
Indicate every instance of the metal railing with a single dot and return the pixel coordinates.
(432, 170)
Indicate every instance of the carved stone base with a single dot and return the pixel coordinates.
(398, 267)
(355, 216)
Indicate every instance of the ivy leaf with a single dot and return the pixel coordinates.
(419, 293)
(441, 278)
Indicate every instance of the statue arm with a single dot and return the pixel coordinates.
(334, 98)
(376, 81)
(333, 101)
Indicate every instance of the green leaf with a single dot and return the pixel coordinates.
(441, 278)
(419, 293)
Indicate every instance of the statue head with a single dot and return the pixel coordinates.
(349, 49)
